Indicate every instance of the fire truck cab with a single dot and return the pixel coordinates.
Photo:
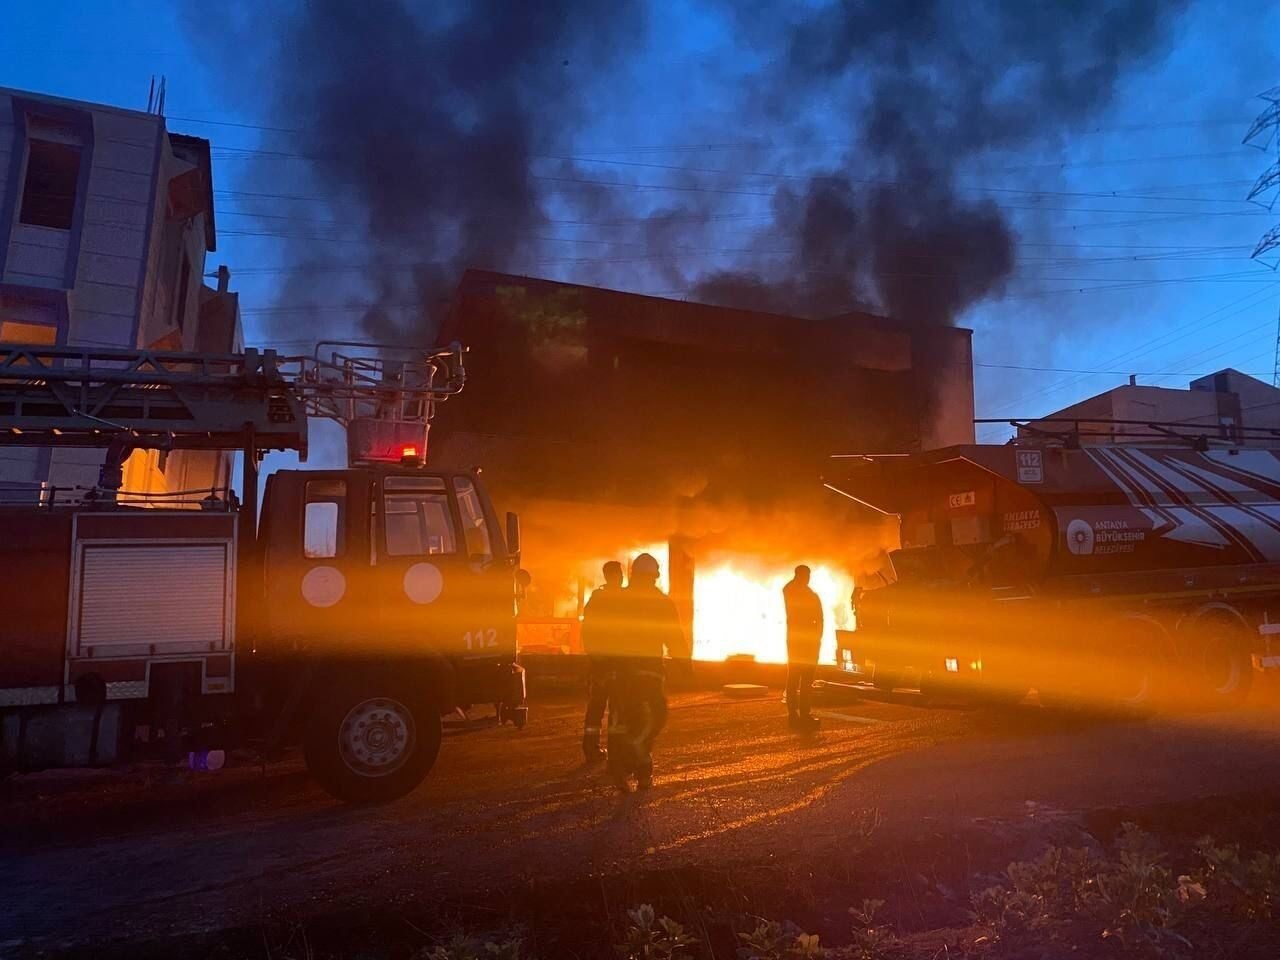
(391, 579)
(351, 613)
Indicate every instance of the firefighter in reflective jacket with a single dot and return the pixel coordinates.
(650, 627)
(601, 621)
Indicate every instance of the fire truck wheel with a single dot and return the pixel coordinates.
(372, 742)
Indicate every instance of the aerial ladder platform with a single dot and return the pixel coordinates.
(254, 401)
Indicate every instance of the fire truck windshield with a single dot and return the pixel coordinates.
(418, 519)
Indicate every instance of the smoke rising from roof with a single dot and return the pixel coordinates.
(441, 134)
(939, 85)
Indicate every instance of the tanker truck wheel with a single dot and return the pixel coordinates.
(1133, 664)
(1218, 660)
(372, 741)
(886, 679)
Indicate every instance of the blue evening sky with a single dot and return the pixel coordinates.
(1136, 237)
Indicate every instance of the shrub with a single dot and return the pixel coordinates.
(770, 940)
(1132, 897)
(650, 937)
(1247, 888)
(870, 940)
(462, 947)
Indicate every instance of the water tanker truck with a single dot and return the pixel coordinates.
(1131, 576)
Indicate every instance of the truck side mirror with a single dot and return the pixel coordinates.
(513, 536)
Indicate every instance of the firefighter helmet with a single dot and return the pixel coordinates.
(644, 566)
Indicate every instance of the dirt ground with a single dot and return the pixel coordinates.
(138, 857)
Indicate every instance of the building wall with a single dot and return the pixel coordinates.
(112, 275)
(949, 419)
(1216, 405)
(1161, 405)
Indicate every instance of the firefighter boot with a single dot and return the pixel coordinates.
(591, 751)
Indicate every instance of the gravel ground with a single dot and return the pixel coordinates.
(131, 855)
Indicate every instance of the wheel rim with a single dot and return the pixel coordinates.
(1134, 687)
(1131, 682)
(377, 737)
(1220, 665)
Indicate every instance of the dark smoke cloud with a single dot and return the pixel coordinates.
(419, 121)
(435, 130)
(940, 86)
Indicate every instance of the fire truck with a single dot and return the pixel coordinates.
(362, 606)
(1133, 575)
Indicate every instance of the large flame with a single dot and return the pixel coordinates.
(738, 609)
(737, 602)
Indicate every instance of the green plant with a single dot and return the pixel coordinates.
(1132, 898)
(1248, 888)
(650, 937)
(770, 940)
(462, 947)
(1040, 896)
(1139, 899)
(870, 940)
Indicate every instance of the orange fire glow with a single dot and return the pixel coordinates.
(737, 603)
(737, 608)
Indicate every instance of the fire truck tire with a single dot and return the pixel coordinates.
(373, 741)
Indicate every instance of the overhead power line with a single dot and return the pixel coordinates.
(751, 144)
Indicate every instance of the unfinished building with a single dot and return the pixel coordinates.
(616, 423)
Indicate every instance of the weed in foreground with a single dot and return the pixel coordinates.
(650, 937)
(462, 947)
(1247, 887)
(771, 940)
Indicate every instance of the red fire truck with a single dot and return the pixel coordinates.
(363, 605)
(1132, 575)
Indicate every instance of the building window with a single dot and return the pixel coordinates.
(49, 191)
(20, 331)
(184, 284)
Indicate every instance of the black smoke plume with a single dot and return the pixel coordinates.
(441, 135)
(940, 87)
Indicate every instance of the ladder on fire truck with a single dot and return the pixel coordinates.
(254, 401)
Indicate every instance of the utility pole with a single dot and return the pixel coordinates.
(1264, 134)
(1275, 370)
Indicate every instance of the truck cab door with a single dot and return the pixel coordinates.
(317, 552)
(442, 584)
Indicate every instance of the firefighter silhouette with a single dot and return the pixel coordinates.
(804, 641)
(650, 626)
(601, 622)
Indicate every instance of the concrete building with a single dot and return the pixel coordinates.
(1227, 405)
(105, 222)
(616, 422)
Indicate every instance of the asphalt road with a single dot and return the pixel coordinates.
(131, 857)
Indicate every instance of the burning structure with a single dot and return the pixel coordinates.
(616, 422)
